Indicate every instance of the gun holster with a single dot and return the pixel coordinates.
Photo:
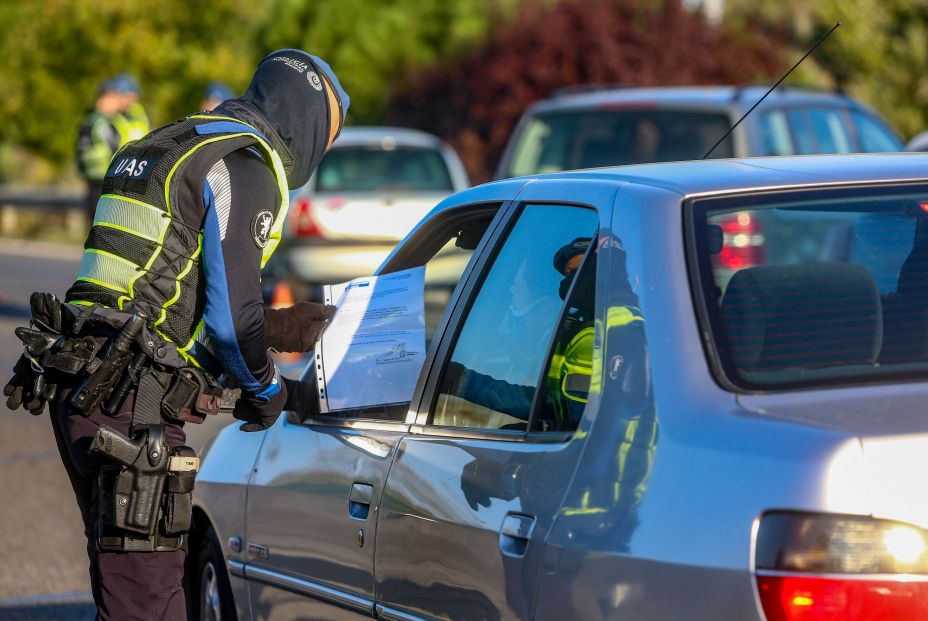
(144, 500)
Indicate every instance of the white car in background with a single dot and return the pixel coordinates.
(370, 190)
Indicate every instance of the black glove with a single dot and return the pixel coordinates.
(46, 312)
(26, 388)
(296, 328)
(260, 415)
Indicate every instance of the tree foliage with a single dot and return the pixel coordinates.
(475, 103)
(879, 54)
(372, 45)
(56, 52)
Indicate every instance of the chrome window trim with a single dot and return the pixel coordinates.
(301, 586)
(236, 568)
(774, 573)
(392, 614)
(361, 424)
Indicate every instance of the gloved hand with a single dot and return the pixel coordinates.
(257, 414)
(296, 328)
(25, 389)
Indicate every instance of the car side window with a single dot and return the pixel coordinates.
(500, 351)
(830, 130)
(775, 132)
(873, 137)
(802, 132)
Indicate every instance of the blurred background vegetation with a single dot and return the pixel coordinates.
(464, 69)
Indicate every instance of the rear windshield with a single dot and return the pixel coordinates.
(815, 288)
(609, 137)
(378, 169)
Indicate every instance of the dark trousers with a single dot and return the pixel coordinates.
(127, 586)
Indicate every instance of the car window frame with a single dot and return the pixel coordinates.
(404, 259)
(700, 282)
(421, 416)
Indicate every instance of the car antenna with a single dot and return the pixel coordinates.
(770, 90)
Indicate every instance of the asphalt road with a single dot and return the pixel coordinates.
(43, 574)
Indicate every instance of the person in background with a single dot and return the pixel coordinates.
(116, 118)
(132, 121)
(214, 94)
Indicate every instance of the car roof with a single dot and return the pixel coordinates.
(757, 173)
(359, 136)
(697, 96)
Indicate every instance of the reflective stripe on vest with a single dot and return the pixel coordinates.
(132, 216)
(577, 364)
(106, 269)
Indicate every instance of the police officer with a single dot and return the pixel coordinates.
(620, 454)
(116, 118)
(188, 216)
(132, 120)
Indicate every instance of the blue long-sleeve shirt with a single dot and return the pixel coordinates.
(239, 194)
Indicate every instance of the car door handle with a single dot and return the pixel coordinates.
(359, 501)
(515, 533)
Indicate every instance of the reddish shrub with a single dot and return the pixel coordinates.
(475, 101)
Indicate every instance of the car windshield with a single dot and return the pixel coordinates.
(381, 169)
(816, 287)
(609, 137)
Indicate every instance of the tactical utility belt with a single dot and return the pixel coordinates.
(144, 498)
(116, 352)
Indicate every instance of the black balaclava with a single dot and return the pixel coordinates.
(286, 101)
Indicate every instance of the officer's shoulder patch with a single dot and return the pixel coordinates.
(131, 167)
(261, 228)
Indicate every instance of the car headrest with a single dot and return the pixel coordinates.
(811, 315)
(913, 277)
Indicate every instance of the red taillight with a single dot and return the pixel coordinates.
(848, 599)
(301, 218)
(824, 567)
(743, 241)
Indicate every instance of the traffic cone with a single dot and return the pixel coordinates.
(282, 296)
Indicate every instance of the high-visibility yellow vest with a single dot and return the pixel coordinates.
(94, 149)
(140, 255)
(573, 367)
(132, 124)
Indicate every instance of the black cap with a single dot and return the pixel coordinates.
(569, 251)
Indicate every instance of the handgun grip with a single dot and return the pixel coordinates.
(115, 446)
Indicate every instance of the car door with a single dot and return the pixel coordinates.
(312, 499)
(477, 482)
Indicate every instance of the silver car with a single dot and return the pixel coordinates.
(619, 416)
(369, 191)
(594, 125)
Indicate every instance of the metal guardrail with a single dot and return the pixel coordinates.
(21, 205)
(40, 197)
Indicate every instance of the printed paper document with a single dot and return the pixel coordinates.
(374, 346)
